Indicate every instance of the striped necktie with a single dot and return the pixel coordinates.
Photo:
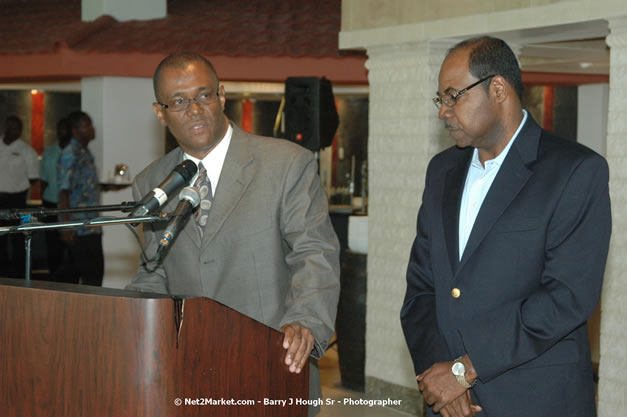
(206, 197)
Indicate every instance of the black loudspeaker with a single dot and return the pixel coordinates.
(310, 114)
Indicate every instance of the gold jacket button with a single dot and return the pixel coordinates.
(456, 293)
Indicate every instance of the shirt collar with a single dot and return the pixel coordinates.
(498, 161)
(214, 160)
(15, 142)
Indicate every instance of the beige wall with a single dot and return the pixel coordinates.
(368, 14)
(367, 23)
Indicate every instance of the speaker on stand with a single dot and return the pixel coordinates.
(310, 115)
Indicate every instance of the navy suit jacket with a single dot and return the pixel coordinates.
(529, 278)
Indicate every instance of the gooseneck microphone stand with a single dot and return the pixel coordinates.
(28, 225)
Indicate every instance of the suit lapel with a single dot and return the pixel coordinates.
(237, 173)
(511, 178)
(451, 201)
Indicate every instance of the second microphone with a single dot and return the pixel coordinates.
(189, 199)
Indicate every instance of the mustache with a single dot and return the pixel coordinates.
(447, 125)
(198, 119)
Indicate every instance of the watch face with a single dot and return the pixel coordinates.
(458, 369)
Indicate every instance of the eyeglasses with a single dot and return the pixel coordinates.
(181, 103)
(451, 99)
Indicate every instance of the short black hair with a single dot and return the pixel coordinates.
(179, 60)
(15, 119)
(64, 132)
(63, 123)
(492, 56)
(75, 118)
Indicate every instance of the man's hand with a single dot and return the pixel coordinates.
(461, 406)
(299, 342)
(439, 386)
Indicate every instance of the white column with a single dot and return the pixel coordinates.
(124, 9)
(612, 378)
(404, 133)
(127, 131)
(592, 106)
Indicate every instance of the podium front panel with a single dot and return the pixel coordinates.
(81, 351)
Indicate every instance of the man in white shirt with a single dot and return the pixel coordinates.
(19, 169)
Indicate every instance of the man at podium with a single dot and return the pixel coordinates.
(261, 241)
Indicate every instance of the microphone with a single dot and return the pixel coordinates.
(189, 199)
(178, 178)
(10, 214)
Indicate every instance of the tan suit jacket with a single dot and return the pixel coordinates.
(268, 250)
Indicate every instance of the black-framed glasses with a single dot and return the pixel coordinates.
(181, 103)
(451, 99)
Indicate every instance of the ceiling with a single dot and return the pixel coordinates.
(577, 48)
(247, 40)
(589, 56)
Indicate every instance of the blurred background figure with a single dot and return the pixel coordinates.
(79, 186)
(19, 169)
(59, 264)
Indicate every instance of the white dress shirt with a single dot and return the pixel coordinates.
(19, 163)
(214, 160)
(478, 182)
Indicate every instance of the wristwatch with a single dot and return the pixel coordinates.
(459, 370)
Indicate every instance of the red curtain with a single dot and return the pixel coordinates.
(549, 103)
(247, 115)
(37, 121)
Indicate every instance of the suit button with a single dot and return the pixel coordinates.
(456, 293)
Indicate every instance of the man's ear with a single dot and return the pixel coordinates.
(499, 88)
(222, 96)
(156, 107)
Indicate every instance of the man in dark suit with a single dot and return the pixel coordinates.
(508, 261)
(262, 242)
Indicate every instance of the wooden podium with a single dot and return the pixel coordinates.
(80, 351)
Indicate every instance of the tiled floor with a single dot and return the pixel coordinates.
(332, 389)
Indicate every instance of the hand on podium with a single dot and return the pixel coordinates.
(299, 343)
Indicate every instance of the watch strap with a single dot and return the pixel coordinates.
(461, 379)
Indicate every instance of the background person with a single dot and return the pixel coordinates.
(56, 249)
(19, 169)
(79, 186)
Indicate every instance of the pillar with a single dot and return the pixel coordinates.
(124, 10)
(612, 379)
(128, 132)
(404, 134)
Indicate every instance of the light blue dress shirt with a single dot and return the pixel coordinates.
(48, 172)
(478, 183)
